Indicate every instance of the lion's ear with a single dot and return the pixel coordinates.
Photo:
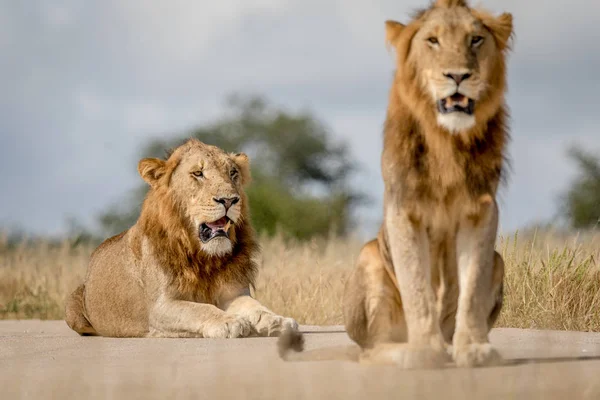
(243, 162)
(393, 30)
(501, 28)
(151, 170)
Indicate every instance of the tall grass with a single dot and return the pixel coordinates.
(552, 280)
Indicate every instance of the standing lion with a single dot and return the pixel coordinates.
(432, 279)
(186, 267)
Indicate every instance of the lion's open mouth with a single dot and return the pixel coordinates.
(456, 103)
(218, 228)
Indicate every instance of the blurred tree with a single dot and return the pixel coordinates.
(300, 176)
(581, 201)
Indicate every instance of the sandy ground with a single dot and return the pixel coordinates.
(44, 359)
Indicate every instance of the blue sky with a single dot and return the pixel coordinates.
(85, 83)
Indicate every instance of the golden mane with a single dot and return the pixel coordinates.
(163, 221)
(175, 242)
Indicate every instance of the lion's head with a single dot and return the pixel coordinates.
(451, 64)
(202, 188)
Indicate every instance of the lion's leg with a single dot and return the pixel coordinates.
(372, 305)
(178, 318)
(497, 289)
(264, 321)
(74, 313)
(409, 248)
(479, 269)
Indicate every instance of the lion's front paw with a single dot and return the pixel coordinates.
(476, 355)
(269, 324)
(231, 326)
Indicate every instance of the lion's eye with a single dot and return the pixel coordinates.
(476, 40)
(198, 174)
(233, 173)
(433, 40)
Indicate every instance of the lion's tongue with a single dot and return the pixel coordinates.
(218, 224)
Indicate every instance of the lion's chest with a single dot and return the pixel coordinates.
(212, 285)
(447, 181)
(432, 167)
(200, 286)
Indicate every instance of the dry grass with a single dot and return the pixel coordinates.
(306, 280)
(552, 281)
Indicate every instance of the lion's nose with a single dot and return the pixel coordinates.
(458, 78)
(227, 201)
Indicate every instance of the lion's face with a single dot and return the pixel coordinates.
(207, 184)
(454, 54)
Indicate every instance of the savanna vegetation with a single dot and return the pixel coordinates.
(302, 206)
(552, 278)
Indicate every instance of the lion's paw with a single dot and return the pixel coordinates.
(269, 324)
(230, 327)
(407, 356)
(476, 355)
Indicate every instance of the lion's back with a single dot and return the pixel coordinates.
(115, 299)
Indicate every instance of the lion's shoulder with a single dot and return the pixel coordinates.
(108, 243)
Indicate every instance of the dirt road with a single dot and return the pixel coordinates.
(42, 360)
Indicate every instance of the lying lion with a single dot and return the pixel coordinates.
(186, 267)
(432, 277)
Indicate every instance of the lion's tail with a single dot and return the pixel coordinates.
(291, 346)
(75, 313)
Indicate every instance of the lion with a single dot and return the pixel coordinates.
(186, 267)
(429, 288)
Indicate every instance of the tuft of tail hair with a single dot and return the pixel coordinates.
(290, 340)
(291, 348)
